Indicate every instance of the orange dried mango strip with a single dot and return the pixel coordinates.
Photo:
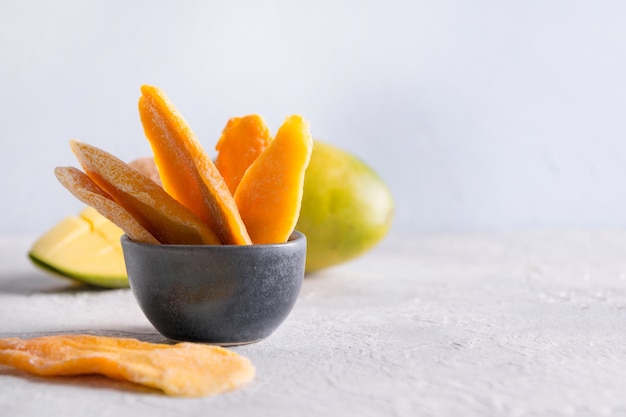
(270, 194)
(164, 217)
(183, 369)
(186, 170)
(242, 141)
(83, 188)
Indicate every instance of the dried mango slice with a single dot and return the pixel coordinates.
(83, 188)
(183, 369)
(160, 214)
(146, 166)
(186, 170)
(269, 195)
(242, 141)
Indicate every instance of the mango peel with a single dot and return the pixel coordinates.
(347, 208)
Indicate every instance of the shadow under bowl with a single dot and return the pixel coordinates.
(219, 294)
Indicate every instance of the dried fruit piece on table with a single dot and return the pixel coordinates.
(186, 170)
(183, 369)
(242, 141)
(164, 217)
(83, 188)
(270, 193)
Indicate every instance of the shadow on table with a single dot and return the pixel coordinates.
(25, 283)
(142, 333)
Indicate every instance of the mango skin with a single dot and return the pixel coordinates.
(347, 209)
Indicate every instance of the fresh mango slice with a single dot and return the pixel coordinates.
(183, 369)
(83, 188)
(270, 193)
(85, 248)
(186, 170)
(242, 141)
(160, 214)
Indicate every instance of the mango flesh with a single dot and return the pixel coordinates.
(85, 248)
(346, 208)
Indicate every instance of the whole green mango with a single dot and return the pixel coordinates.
(346, 207)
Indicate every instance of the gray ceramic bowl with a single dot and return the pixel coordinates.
(216, 294)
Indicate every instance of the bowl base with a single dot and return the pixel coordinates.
(223, 344)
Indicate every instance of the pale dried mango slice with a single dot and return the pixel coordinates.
(157, 211)
(183, 369)
(83, 188)
(146, 166)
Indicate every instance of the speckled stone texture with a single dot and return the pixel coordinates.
(219, 294)
(513, 324)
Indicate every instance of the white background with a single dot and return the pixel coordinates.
(480, 115)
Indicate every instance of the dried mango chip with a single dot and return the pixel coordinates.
(83, 188)
(183, 369)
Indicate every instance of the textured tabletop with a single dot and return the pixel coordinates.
(507, 324)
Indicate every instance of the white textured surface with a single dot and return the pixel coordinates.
(506, 325)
